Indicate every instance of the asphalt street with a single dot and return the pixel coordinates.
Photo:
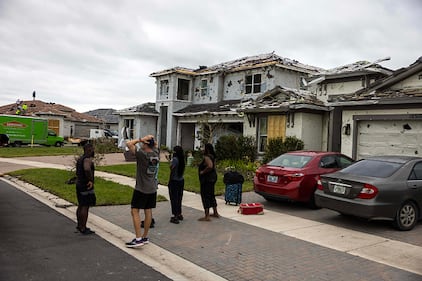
(38, 243)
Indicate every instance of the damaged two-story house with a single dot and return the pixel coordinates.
(192, 100)
(358, 109)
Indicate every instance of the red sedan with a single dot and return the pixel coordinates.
(294, 175)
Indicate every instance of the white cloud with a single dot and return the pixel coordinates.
(99, 54)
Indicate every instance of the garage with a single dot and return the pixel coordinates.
(395, 135)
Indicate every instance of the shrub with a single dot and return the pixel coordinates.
(247, 169)
(276, 147)
(235, 148)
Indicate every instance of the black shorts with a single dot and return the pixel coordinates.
(142, 200)
(86, 198)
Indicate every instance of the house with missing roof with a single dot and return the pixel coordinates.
(344, 109)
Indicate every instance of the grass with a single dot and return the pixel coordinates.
(54, 181)
(9, 152)
(191, 176)
(108, 192)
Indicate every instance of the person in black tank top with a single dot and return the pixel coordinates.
(207, 179)
(85, 188)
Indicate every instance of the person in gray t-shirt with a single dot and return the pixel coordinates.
(145, 193)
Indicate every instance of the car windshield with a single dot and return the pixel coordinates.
(372, 168)
(290, 160)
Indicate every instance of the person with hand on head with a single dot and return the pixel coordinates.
(145, 193)
(85, 187)
(207, 179)
(177, 183)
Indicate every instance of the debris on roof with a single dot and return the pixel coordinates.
(381, 89)
(40, 108)
(242, 64)
(148, 108)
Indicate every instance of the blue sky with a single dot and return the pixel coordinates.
(99, 53)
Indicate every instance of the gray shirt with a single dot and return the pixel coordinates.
(146, 171)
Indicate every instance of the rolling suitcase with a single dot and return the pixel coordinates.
(233, 193)
(251, 209)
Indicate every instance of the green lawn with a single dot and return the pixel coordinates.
(191, 176)
(9, 152)
(108, 193)
(54, 181)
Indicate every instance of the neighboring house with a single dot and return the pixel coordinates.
(108, 116)
(385, 117)
(65, 121)
(137, 121)
(340, 81)
(191, 102)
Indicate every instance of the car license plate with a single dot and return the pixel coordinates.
(339, 189)
(272, 178)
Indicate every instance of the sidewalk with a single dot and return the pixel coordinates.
(272, 246)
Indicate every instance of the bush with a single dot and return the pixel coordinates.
(247, 169)
(235, 148)
(276, 147)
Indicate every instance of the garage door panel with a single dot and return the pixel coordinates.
(389, 137)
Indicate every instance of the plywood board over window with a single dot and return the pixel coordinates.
(276, 126)
(54, 125)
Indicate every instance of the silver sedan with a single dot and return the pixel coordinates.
(382, 187)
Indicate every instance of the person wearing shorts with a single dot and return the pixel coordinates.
(145, 193)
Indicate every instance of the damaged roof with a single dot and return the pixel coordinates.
(244, 63)
(381, 92)
(278, 99)
(40, 108)
(222, 107)
(106, 114)
(141, 109)
(283, 99)
(353, 69)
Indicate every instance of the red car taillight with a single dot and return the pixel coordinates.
(319, 183)
(294, 177)
(260, 176)
(368, 192)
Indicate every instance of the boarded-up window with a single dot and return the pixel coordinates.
(54, 125)
(276, 126)
(272, 126)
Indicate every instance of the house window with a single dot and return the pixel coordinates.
(253, 83)
(204, 87)
(262, 134)
(302, 83)
(129, 124)
(182, 89)
(164, 88)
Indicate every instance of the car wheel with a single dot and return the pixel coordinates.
(311, 202)
(406, 216)
(59, 144)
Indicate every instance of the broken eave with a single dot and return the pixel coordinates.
(201, 113)
(137, 113)
(285, 108)
(378, 101)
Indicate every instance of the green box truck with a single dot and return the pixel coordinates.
(28, 130)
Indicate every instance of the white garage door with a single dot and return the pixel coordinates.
(397, 137)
